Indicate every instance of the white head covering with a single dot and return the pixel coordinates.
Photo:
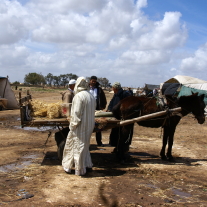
(81, 85)
(72, 81)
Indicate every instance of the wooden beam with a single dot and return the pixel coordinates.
(149, 116)
(25, 99)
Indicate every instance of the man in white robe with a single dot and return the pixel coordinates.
(81, 126)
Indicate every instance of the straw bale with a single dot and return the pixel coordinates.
(54, 110)
(38, 108)
(41, 109)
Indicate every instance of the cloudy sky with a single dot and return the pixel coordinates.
(133, 42)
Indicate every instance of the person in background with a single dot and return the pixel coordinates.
(130, 91)
(81, 126)
(68, 95)
(101, 102)
(155, 92)
(61, 135)
(119, 94)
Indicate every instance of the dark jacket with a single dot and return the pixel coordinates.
(131, 92)
(121, 94)
(101, 98)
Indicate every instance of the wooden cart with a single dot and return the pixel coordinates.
(101, 123)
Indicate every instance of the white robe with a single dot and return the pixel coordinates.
(81, 126)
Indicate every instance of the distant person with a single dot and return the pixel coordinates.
(130, 91)
(76, 151)
(119, 94)
(155, 92)
(101, 102)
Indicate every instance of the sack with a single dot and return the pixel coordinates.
(65, 109)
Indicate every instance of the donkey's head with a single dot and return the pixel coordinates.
(195, 104)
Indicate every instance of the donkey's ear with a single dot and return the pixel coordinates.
(195, 94)
(202, 97)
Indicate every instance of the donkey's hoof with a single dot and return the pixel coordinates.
(171, 159)
(164, 158)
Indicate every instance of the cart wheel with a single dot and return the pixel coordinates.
(60, 150)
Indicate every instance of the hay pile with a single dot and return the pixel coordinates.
(41, 109)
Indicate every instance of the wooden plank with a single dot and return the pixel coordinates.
(149, 116)
(111, 123)
(22, 115)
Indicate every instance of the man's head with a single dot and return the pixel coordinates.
(116, 86)
(93, 81)
(72, 84)
(81, 85)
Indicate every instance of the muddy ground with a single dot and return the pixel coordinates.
(29, 167)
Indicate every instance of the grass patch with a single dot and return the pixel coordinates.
(40, 89)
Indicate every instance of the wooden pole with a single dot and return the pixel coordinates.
(149, 116)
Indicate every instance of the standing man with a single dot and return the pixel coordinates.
(119, 94)
(68, 95)
(101, 102)
(60, 136)
(81, 126)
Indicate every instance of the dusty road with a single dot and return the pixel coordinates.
(29, 166)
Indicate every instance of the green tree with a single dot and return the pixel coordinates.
(104, 82)
(71, 76)
(49, 79)
(64, 80)
(34, 79)
(56, 80)
(16, 82)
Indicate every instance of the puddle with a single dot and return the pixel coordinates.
(34, 128)
(151, 186)
(181, 193)
(32, 156)
(21, 164)
(14, 166)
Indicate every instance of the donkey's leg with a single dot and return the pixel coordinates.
(170, 142)
(129, 141)
(164, 142)
(173, 123)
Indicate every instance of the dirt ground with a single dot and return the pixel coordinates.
(32, 175)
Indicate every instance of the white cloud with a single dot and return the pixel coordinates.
(106, 38)
(198, 62)
(13, 56)
(141, 4)
(118, 43)
(66, 6)
(164, 34)
(12, 25)
(147, 57)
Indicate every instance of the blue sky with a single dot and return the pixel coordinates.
(193, 14)
(133, 42)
